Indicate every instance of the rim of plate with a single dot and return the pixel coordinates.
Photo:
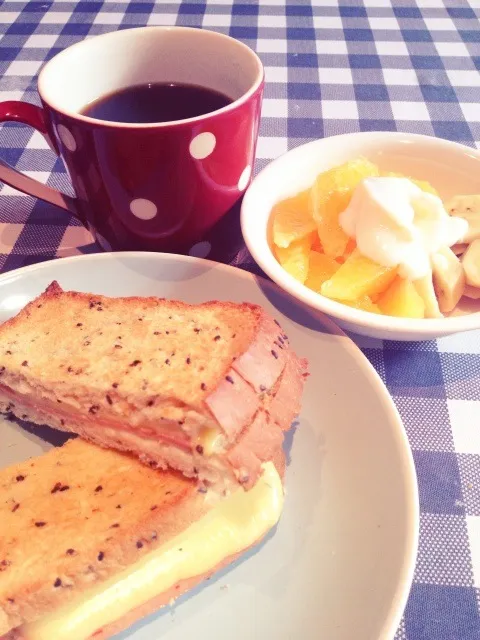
(405, 578)
(258, 245)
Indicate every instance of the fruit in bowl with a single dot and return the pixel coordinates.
(380, 241)
(435, 165)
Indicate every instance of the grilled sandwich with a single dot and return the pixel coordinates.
(207, 390)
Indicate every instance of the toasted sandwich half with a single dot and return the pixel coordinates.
(208, 389)
(92, 540)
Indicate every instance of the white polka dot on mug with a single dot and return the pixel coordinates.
(143, 209)
(202, 145)
(200, 250)
(244, 178)
(66, 136)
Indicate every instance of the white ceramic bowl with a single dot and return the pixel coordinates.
(452, 169)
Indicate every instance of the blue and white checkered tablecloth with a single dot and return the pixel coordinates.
(331, 67)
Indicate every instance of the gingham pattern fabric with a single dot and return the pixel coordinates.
(331, 67)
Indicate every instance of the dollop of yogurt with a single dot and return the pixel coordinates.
(395, 223)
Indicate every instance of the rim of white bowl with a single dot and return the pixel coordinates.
(255, 236)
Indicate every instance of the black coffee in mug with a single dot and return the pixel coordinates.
(156, 102)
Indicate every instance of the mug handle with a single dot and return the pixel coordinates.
(33, 116)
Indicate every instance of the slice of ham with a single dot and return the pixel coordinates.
(285, 404)
(264, 360)
(233, 403)
(258, 443)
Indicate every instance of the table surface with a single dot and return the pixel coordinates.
(331, 67)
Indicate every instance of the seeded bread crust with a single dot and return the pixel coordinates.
(79, 514)
(118, 354)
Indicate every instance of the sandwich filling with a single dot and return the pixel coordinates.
(230, 527)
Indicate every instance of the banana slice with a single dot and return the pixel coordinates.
(468, 208)
(458, 205)
(473, 232)
(448, 279)
(471, 264)
(471, 292)
(424, 287)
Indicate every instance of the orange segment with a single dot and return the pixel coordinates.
(292, 219)
(402, 299)
(351, 245)
(316, 244)
(295, 258)
(320, 269)
(358, 277)
(425, 186)
(364, 303)
(330, 195)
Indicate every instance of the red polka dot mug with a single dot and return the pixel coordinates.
(146, 186)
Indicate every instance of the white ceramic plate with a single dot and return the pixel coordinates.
(340, 564)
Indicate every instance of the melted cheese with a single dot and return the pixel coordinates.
(212, 440)
(230, 527)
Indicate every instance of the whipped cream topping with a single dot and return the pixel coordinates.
(396, 224)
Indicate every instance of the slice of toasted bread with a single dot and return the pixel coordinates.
(179, 385)
(78, 515)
